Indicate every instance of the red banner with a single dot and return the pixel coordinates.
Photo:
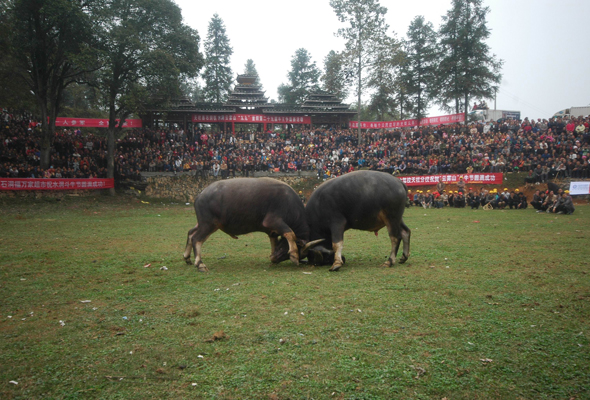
(445, 119)
(251, 118)
(94, 122)
(55, 184)
(478, 178)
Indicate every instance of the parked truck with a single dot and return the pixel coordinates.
(582, 111)
(487, 115)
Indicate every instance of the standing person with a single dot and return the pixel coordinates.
(224, 170)
(199, 171)
(301, 196)
(246, 168)
(461, 185)
(177, 165)
(215, 169)
(440, 186)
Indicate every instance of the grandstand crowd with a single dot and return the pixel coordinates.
(543, 148)
(552, 201)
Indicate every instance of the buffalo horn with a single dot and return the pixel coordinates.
(309, 245)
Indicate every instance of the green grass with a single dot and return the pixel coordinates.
(509, 286)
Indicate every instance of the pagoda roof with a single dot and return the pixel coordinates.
(322, 95)
(246, 86)
(246, 78)
(248, 90)
(247, 98)
(248, 104)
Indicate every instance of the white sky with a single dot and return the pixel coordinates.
(544, 43)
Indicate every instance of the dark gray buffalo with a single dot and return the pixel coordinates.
(364, 200)
(244, 205)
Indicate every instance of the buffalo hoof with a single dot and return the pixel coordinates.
(188, 261)
(387, 264)
(203, 268)
(403, 259)
(335, 267)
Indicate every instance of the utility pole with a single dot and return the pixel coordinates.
(495, 91)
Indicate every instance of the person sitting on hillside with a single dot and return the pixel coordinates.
(522, 201)
(444, 199)
(537, 200)
(459, 201)
(428, 200)
(565, 204)
(473, 200)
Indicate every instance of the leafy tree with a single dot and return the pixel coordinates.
(193, 90)
(382, 77)
(250, 69)
(218, 74)
(467, 69)
(401, 97)
(365, 27)
(82, 100)
(303, 79)
(419, 68)
(46, 45)
(335, 77)
(146, 52)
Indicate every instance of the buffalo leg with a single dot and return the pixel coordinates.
(199, 236)
(280, 227)
(337, 233)
(395, 236)
(274, 241)
(189, 246)
(293, 252)
(337, 247)
(406, 232)
(273, 244)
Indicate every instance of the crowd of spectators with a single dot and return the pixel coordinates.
(543, 148)
(554, 200)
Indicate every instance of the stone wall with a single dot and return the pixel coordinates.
(185, 188)
(52, 194)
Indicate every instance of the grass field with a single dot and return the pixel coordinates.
(490, 305)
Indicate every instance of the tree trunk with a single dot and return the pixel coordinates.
(360, 138)
(111, 155)
(466, 107)
(45, 136)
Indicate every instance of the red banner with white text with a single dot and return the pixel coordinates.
(445, 119)
(251, 118)
(55, 184)
(477, 178)
(94, 122)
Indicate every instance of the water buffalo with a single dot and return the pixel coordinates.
(244, 205)
(364, 200)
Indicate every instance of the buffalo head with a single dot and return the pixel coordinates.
(281, 251)
(321, 255)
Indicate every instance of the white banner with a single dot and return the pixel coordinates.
(579, 188)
